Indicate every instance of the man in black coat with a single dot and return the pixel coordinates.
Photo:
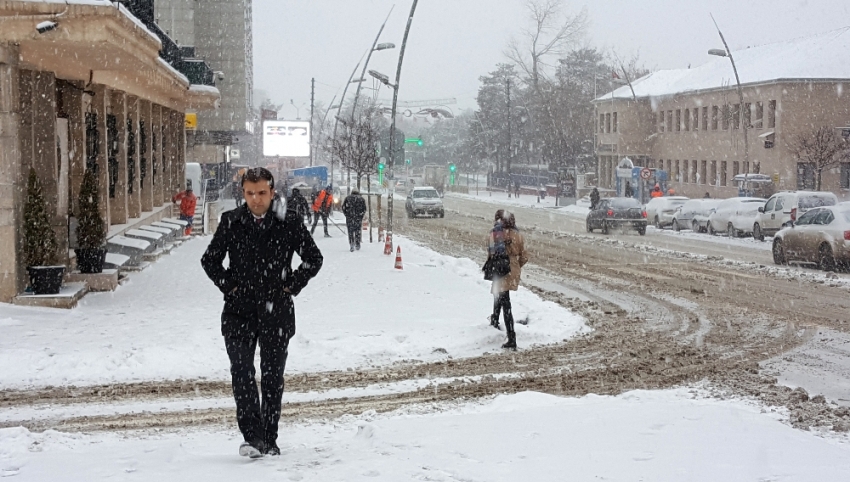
(354, 208)
(299, 204)
(259, 239)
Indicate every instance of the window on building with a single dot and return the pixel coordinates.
(608, 123)
(601, 122)
(678, 172)
(771, 114)
(845, 175)
(736, 168)
(687, 119)
(806, 176)
(678, 120)
(712, 179)
(615, 121)
(722, 173)
(756, 167)
(725, 117)
(758, 122)
(748, 116)
(703, 166)
(696, 119)
(669, 166)
(705, 118)
(714, 115)
(669, 121)
(694, 176)
(736, 116)
(661, 121)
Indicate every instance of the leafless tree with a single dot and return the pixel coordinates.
(822, 148)
(551, 33)
(356, 145)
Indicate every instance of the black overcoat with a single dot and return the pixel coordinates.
(259, 269)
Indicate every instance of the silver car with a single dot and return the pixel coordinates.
(424, 200)
(820, 236)
(694, 214)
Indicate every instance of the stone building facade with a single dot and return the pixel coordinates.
(691, 124)
(92, 92)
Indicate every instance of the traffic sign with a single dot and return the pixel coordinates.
(645, 173)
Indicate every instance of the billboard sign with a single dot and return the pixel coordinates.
(286, 139)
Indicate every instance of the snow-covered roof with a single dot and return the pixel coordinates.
(824, 56)
(204, 89)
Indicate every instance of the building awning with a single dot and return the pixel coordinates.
(95, 42)
(766, 134)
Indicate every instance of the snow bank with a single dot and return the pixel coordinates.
(165, 322)
(658, 436)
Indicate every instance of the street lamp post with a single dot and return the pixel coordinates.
(726, 52)
(385, 80)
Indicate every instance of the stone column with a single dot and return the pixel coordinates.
(156, 155)
(167, 156)
(98, 158)
(146, 155)
(75, 105)
(180, 153)
(13, 277)
(45, 158)
(118, 206)
(134, 198)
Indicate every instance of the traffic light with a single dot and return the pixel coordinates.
(381, 173)
(452, 169)
(413, 140)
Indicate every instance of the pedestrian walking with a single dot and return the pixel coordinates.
(322, 207)
(594, 198)
(259, 284)
(299, 204)
(354, 208)
(629, 191)
(188, 201)
(505, 240)
(516, 189)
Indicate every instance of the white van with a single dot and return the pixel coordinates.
(786, 206)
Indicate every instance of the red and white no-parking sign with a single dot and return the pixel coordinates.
(645, 173)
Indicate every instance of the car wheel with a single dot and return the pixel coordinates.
(676, 225)
(604, 227)
(642, 231)
(711, 230)
(779, 252)
(757, 234)
(657, 223)
(442, 214)
(826, 260)
(589, 228)
(731, 231)
(695, 226)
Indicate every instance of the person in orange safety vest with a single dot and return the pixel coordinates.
(188, 201)
(656, 192)
(322, 207)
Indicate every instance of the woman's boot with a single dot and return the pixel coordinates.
(511, 343)
(494, 322)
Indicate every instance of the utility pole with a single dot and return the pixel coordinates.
(312, 101)
(510, 144)
(391, 163)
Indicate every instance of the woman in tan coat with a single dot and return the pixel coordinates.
(504, 238)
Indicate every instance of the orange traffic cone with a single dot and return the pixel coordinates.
(388, 245)
(398, 259)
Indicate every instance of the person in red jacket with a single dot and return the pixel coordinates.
(322, 207)
(188, 201)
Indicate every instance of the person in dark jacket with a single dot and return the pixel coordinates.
(354, 208)
(594, 198)
(299, 204)
(259, 238)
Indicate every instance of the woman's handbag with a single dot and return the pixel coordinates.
(496, 266)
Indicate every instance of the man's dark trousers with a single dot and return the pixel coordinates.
(316, 221)
(257, 422)
(355, 230)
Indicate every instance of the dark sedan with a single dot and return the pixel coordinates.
(621, 212)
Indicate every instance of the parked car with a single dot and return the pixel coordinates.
(694, 214)
(424, 200)
(820, 236)
(660, 210)
(734, 216)
(618, 212)
(785, 207)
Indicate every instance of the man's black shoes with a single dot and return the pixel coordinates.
(272, 449)
(252, 450)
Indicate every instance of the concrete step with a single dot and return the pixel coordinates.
(67, 298)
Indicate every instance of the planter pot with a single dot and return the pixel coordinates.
(90, 260)
(46, 280)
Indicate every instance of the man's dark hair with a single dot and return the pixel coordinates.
(257, 174)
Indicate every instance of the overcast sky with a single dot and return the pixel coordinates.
(453, 42)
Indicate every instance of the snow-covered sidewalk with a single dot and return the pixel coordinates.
(359, 312)
(659, 436)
